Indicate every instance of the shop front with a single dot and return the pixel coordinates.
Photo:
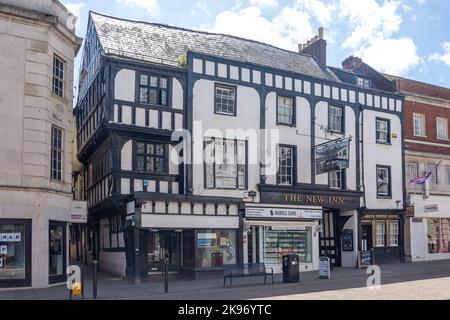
(429, 226)
(380, 233)
(197, 236)
(271, 232)
(15, 252)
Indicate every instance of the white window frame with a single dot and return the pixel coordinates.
(393, 233)
(225, 99)
(442, 131)
(285, 111)
(409, 166)
(419, 131)
(388, 185)
(282, 178)
(380, 234)
(386, 131)
(336, 179)
(447, 169)
(59, 169)
(336, 119)
(434, 173)
(58, 76)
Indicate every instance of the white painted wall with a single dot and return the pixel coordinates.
(378, 154)
(248, 116)
(124, 85)
(298, 136)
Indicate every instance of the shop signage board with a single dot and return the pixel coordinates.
(347, 240)
(78, 212)
(283, 213)
(324, 268)
(10, 237)
(332, 156)
(308, 198)
(206, 240)
(365, 259)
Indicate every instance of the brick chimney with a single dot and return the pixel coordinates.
(352, 63)
(316, 47)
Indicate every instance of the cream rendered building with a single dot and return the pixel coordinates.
(37, 49)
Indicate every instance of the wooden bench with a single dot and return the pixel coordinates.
(246, 270)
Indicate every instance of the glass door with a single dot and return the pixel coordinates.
(161, 245)
(57, 252)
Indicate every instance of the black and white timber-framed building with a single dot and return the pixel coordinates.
(141, 82)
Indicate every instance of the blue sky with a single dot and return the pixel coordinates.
(410, 38)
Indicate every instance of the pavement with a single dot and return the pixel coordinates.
(411, 281)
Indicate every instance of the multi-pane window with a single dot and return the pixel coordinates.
(151, 157)
(335, 119)
(153, 89)
(383, 131)
(58, 76)
(56, 154)
(393, 234)
(286, 166)
(433, 169)
(383, 181)
(447, 169)
(225, 164)
(285, 111)
(419, 124)
(380, 234)
(442, 128)
(363, 82)
(411, 171)
(337, 179)
(225, 99)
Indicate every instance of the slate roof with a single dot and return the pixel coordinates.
(166, 44)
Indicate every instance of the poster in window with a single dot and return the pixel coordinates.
(55, 241)
(347, 240)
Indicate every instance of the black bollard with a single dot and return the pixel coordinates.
(94, 279)
(166, 276)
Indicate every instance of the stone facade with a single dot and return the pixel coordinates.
(31, 33)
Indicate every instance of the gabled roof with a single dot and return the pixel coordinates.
(167, 44)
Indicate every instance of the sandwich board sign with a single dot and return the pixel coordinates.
(324, 268)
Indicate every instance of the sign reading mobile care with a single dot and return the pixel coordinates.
(282, 213)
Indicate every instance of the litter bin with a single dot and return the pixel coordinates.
(291, 273)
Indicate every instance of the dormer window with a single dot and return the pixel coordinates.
(363, 82)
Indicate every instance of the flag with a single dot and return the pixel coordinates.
(423, 179)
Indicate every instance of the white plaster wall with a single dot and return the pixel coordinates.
(124, 85)
(177, 94)
(378, 154)
(298, 136)
(205, 120)
(126, 156)
(350, 130)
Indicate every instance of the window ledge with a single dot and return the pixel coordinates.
(384, 143)
(225, 114)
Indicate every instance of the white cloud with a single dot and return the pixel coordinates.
(445, 57)
(322, 12)
(393, 56)
(151, 6)
(264, 3)
(285, 30)
(370, 20)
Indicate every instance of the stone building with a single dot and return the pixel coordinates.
(37, 49)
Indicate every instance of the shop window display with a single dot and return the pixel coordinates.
(12, 251)
(280, 242)
(215, 248)
(438, 235)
